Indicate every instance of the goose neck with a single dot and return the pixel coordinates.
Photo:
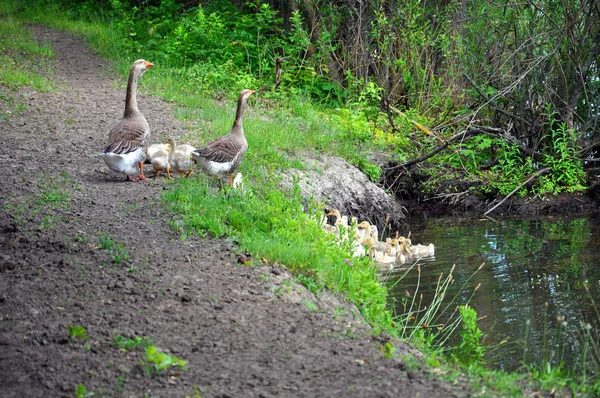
(239, 114)
(131, 106)
(172, 145)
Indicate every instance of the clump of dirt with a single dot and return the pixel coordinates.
(79, 246)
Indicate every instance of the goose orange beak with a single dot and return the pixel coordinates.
(149, 65)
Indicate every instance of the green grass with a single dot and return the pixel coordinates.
(82, 392)
(116, 251)
(49, 202)
(23, 61)
(271, 223)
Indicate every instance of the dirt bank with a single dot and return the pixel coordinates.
(455, 197)
(79, 246)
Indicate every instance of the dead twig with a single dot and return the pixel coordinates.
(493, 104)
(452, 198)
(531, 178)
(416, 124)
(439, 148)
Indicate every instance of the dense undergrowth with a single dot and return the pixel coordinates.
(204, 81)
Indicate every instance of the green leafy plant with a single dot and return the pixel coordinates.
(82, 392)
(470, 350)
(124, 343)
(312, 307)
(77, 332)
(156, 361)
(115, 250)
(387, 350)
(560, 154)
(511, 168)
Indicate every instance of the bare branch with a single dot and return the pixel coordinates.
(442, 146)
(531, 178)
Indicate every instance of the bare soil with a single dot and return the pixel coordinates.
(242, 338)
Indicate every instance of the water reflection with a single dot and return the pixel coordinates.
(541, 279)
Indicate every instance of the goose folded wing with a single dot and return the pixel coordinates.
(126, 138)
(221, 151)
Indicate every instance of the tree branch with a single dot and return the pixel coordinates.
(442, 146)
(493, 103)
(531, 178)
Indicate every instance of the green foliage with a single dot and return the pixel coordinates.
(125, 344)
(387, 350)
(470, 350)
(371, 170)
(354, 125)
(77, 332)
(82, 392)
(115, 250)
(472, 154)
(311, 283)
(511, 168)
(566, 172)
(156, 361)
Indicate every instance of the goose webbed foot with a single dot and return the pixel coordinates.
(142, 177)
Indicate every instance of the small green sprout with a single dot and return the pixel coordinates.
(156, 361)
(77, 332)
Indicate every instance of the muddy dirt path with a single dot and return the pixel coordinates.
(62, 211)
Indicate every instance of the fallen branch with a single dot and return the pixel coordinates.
(416, 124)
(439, 148)
(452, 198)
(591, 146)
(531, 178)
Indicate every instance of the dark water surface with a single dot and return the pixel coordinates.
(539, 285)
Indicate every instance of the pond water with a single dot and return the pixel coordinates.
(539, 285)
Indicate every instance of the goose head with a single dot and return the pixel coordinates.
(140, 66)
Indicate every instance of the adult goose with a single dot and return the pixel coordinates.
(223, 156)
(128, 139)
